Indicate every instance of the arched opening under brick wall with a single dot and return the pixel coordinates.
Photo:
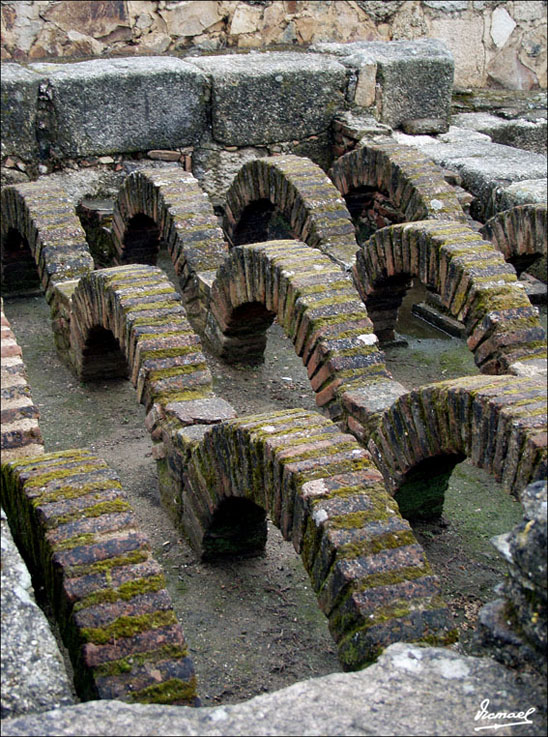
(289, 196)
(261, 221)
(475, 286)
(322, 491)
(102, 357)
(19, 271)
(244, 338)
(408, 183)
(141, 240)
(314, 302)
(238, 528)
(520, 234)
(421, 493)
(499, 423)
(371, 209)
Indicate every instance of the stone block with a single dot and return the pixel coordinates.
(33, 674)
(527, 134)
(107, 106)
(20, 88)
(414, 79)
(418, 687)
(486, 168)
(265, 98)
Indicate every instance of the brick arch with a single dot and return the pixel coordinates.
(140, 311)
(159, 206)
(475, 284)
(520, 234)
(322, 490)
(394, 183)
(315, 303)
(301, 192)
(498, 422)
(39, 220)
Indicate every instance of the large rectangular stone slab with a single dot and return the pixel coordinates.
(403, 80)
(118, 105)
(20, 88)
(276, 96)
(486, 168)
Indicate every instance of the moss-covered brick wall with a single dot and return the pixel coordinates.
(322, 490)
(474, 282)
(498, 422)
(78, 533)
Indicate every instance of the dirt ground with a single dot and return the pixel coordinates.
(253, 625)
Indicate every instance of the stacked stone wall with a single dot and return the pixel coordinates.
(493, 43)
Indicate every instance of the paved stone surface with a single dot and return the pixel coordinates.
(291, 96)
(527, 134)
(483, 165)
(110, 105)
(409, 691)
(34, 678)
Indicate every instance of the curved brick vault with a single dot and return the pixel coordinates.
(475, 284)
(299, 190)
(159, 206)
(498, 422)
(520, 234)
(314, 302)
(129, 321)
(391, 183)
(322, 490)
(43, 242)
(79, 535)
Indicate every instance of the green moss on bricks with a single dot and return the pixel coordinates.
(73, 542)
(155, 353)
(321, 452)
(167, 396)
(125, 592)
(387, 541)
(104, 566)
(73, 492)
(167, 334)
(388, 578)
(108, 507)
(166, 693)
(126, 665)
(166, 373)
(69, 455)
(332, 469)
(58, 474)
(164, 320)
(128, 626)
(143, 306)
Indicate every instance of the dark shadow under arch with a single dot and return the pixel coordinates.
(19, 271)
(102, 357)
(141, 240)
(238, 528)
(422, 493)
(261, 221)
(371, 209)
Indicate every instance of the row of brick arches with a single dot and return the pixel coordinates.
(326, 492)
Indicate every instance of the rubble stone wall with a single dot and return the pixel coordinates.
(501, 44)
